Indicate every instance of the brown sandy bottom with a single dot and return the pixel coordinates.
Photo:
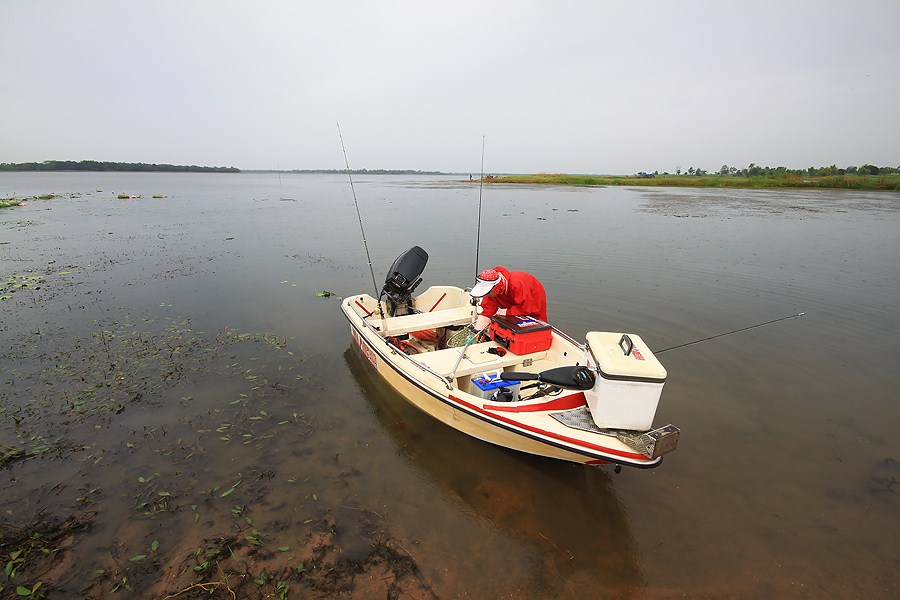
(230, 565)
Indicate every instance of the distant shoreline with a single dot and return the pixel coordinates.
(68, 166)
(879, 179)
(103, 167)
(352, 171)
(889, 182)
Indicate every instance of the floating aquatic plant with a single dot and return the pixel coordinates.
(17, 283)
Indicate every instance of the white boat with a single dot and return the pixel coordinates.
(529, 387)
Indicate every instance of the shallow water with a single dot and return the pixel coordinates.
(785, 482)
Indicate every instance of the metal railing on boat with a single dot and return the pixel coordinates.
(402, 355)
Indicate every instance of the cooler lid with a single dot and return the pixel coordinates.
(624, 356)
(519, 324)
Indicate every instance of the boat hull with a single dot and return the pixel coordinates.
(436, 390)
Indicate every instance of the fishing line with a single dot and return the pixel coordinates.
(359, 216)
(480, 187)
(730, 332)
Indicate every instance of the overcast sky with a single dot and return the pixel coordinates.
(551, 86)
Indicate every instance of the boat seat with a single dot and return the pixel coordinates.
(462, 315)
(476, 360)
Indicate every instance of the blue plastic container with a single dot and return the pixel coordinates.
(486, 387)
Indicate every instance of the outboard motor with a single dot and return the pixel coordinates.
(402, 280)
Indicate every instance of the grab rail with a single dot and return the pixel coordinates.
(561, 333)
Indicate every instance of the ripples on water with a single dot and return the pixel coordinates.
(785, 481)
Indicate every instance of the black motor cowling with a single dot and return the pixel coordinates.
(403, 278)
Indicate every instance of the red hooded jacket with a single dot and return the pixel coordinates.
(523, 296)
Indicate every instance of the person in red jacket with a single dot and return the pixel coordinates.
(508, 292)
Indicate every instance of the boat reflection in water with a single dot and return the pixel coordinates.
(568, 516)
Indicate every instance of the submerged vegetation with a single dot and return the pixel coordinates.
(140, 456)
(208, 510)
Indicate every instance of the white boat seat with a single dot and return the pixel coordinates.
(462, 315)
(476, 360)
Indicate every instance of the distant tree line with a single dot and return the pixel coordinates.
(757, 171)
(93, 165)
(754, 170)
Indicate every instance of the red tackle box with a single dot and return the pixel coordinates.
(520, 335)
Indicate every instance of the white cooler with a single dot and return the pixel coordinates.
(629, 381)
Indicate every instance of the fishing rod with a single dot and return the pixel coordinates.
(730, 332)
(480, 187)
(359, 216)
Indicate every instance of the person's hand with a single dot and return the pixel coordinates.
(482, 322)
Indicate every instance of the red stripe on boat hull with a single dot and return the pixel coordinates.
(550, 434)
(565, 403)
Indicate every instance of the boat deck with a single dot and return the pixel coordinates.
(476, 359)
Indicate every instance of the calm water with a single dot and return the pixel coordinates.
(786, 482)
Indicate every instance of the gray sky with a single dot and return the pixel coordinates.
(553, 86)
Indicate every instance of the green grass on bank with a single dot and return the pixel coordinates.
(785, 180)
